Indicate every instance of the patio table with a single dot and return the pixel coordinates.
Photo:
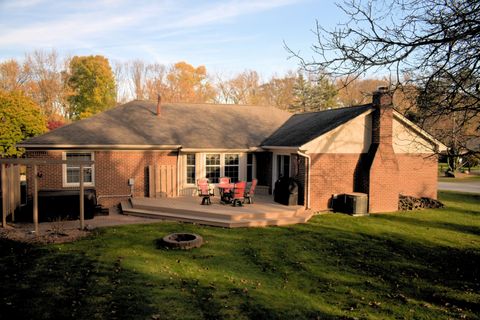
(224, 189)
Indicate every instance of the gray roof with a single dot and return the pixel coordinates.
(304, 127)
(188, 125)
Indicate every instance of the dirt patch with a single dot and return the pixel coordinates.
(23, 233)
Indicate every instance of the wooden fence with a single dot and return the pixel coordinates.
(162, 181)
(10, 178)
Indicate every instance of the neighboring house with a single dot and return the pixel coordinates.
(370, 148)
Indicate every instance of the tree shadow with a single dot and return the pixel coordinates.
(433, 224)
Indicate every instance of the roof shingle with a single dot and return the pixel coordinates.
(189, 125)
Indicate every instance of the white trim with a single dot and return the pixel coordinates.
(99, 146)
(66, 184)
(206, 150)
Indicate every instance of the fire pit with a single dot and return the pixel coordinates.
(182, 241)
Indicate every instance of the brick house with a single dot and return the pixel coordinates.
(370, 148)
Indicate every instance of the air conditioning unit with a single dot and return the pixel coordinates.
(354, 203)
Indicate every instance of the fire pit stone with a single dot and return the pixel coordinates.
(182, 241)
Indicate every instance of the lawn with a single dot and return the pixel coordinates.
(415, 265)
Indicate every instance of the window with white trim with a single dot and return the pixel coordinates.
(212, 167)
(71, 172)
(191, 178)
(232, 163)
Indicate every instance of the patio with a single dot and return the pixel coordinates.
(264, 212)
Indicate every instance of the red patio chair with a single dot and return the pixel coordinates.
(204, 191)
(238, 193)
(251, 191)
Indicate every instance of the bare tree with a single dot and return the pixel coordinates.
(47, 87)
(420, 43)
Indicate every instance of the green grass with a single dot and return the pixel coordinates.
(415, 265)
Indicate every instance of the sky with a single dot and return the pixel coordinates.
(226, 36)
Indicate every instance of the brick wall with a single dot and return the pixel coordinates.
(330, 174)
(341, 173)
(112, 171)
(418, 175)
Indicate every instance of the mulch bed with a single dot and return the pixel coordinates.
(23, 233)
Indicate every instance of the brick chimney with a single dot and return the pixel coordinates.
(159, 105)
(383, 175)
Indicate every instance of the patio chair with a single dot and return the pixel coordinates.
(238, 193)
(204, 191)
(251, 191)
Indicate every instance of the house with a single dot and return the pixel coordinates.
(370, 148)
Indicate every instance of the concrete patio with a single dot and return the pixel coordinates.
(264, 212)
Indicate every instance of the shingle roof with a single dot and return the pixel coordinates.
(188, 125)
(304, 127)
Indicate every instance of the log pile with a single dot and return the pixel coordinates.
(413, 203)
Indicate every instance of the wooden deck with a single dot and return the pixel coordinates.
(264, 212)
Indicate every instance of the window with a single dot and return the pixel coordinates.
(212, 167)
(249, 167)
(191, 168)
(231, 166)
(71, 173)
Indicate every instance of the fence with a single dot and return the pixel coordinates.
(11, 194)
(162, 181)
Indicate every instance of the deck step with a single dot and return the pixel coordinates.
(228, 218)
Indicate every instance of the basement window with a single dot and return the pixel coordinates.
(71, 172)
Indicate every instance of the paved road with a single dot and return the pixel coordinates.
(473, 186)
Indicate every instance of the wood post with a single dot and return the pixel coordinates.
(11, 191)
(35, 198)
(82, 204)
(4, 195)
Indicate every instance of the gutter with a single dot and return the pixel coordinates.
(100, 146)
(300, 153)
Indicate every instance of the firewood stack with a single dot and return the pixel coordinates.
(412, 203)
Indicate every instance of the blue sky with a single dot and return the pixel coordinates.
(226, 36)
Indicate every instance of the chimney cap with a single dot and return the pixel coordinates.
(382, 89)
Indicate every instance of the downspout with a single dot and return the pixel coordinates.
(178, 171)
(309, 161)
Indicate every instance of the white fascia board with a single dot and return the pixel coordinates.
(212, 150)
(99, 146)
(418, 130)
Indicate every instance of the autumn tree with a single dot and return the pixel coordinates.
(279, 91)
(156, 81)
(188, 84)
(13, 75)
(93, 86)
(416, 42)
(20, 118)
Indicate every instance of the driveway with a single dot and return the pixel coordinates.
(470, 186)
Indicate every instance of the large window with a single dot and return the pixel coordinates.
(231, 166)
(71, 173)
(191, 168)
(212, 167)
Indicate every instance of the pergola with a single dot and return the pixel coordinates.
(10, 183)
